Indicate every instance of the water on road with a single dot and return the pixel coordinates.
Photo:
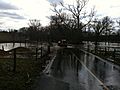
(80, 71)
(107, 72)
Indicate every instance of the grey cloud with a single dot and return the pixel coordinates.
(55, 1)
(115, 6)
(11, 15)
(7, 6)
(1, 23)
(99, 15)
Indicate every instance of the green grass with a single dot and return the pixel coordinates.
(10, 80)
(26, 70)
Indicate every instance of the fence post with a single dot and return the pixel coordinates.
(105, 51)
(114, 53)
(14, 65)
(41, 52)
(77, 67)
(48, 49)
(88, 47)
(36, 53)
(25, 43)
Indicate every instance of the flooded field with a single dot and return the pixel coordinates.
(9, 46)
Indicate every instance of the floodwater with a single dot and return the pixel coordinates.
(9, 46)
(107, 72)
(102, 45)
(86, 72)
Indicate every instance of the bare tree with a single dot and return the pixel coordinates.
(74, 17)
(76, 13)
(34, 27)
(108, 24)
(118, 25)
(103, 26)
(35, 24)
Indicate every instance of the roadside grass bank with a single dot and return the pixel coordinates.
(27, 69)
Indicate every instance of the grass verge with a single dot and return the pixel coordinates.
(22, 78)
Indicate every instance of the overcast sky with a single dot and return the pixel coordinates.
(16, 13)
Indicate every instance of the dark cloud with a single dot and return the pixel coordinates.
(7, 6)
(11, 15)
(55, 1)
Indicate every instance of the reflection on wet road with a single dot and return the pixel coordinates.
(68, 68)
(107, 72)
(86, 73)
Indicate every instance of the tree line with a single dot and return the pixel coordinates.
(73, 23)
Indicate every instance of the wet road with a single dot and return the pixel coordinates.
(107, 72)
(86, 72)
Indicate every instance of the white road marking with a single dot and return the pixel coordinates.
(102, 84)
(47, 69)
(93, 55)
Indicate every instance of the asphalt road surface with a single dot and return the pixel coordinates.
(88, 72)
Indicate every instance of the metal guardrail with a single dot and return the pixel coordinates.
(48, 67)
(102, 84)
